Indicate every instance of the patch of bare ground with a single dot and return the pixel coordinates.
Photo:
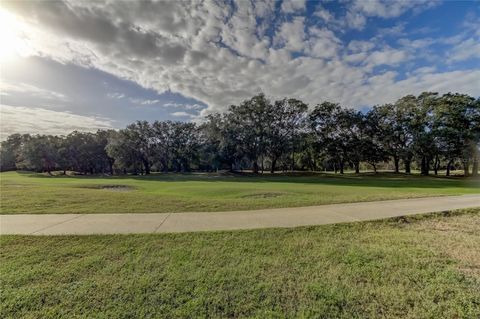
(458, 237)
(264, 195)
(113, 187)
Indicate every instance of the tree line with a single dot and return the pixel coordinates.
(429, 132)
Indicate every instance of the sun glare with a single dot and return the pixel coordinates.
(12, 37)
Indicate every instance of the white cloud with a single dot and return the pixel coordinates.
(324, 14)
(355, 20)
(360, 46)
(21, 119)
(116, 95)
(182, 114)
(184, 106)
(426, 70)
(388, 9)
(221, 54)
(24, 88)
(386, 56)
(469, 48)
(291, 35)
(360, 10)
(385, 88)
(290, 6)
(322, 43)
(144, 101)
(416, 44)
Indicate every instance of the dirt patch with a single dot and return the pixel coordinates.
(458, 237)
(263, 195)
(113, 188)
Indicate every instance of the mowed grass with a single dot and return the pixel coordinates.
(416, 267)
(40, 193)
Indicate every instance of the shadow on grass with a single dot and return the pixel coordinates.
(379, 180)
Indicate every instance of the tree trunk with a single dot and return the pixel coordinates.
(449, 164)
(357, 168)
(436, 164)
(466, 168)
(396, 160)
(475, 165)
(178, 165)
(255, 167)
(274, 163)
(110, 165)
(425, 166)
(293, 161)
(146, 164)
(408, 166)
(341, 167)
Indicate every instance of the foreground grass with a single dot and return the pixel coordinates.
(37, 193)
(415, 267)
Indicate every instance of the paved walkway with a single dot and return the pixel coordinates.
(83, 224)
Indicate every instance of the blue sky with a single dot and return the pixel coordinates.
(88, 65)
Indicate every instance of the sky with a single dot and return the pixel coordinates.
(87, 65)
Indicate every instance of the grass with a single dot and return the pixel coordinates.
(426, 266)
(39, 193)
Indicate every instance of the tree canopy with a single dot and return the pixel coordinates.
(429, 132)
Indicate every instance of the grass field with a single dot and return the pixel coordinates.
(415, 267)
(39, 193)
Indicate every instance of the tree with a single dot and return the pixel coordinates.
(140, 140)
(324, 124)
(388, 124)
(123, 149)
(456, 126)
(219, 142)
(294, 113)
(351, 136)
(248, 120)
(11, 151)
(40, 153)
(373, 150)
(401, 118)
(185, 145)
(428, 130)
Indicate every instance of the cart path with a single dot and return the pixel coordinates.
(86, 224)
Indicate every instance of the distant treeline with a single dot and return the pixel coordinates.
(428, 132)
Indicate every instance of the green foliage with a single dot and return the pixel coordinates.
(427, 131)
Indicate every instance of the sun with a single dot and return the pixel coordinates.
(12, 37)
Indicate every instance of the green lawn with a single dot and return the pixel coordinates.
(416, 267)
(39, 193)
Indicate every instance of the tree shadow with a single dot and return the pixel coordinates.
(379, 180)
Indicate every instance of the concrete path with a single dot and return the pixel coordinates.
(83, 224)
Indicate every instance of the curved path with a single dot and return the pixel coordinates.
(84, 224)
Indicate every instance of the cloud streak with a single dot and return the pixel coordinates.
(22, 119)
